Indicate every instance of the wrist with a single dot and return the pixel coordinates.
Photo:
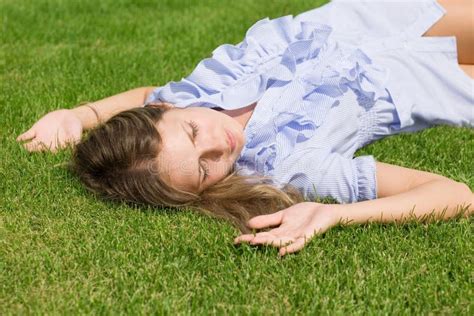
(340, 213)
(96, 113)
(88, 117)
(332, 211)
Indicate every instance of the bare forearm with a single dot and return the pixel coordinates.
(108, 107)
(432, 197)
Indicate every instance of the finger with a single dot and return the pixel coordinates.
(294, 247)
(249, 237)
(68, 143)
(35, 146)
(244, 238)
(62, 140)
(72, 141)
(29, 134)
(272, 241)
(263, 221)
(32, 146)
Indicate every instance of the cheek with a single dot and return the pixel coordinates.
(220, 170)
(179, 165)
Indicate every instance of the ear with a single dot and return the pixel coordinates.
(160, 105)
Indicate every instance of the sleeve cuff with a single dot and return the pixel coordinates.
(366, 178)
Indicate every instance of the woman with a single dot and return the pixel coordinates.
(292, 102)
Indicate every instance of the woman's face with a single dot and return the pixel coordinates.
(196, 149)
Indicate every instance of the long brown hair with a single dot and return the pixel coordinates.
(117, 161)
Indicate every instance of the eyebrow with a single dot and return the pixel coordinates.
(199, 167)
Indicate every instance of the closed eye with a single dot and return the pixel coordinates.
(195, 130)
(206, 172)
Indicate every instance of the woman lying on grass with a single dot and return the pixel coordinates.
(264, 127)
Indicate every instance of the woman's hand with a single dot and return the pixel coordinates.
(297, 225)
(53, 131)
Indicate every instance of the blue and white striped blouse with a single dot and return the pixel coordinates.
(328, 82)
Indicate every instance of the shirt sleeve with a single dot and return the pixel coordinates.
(347, 180)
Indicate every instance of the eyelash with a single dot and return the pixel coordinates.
(195, 129)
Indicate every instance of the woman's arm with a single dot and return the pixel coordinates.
(415, 194)
(441, 198)
(108, 107)
(401, 189)
(59, 128)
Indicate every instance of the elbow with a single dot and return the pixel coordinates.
(466, 196)
(146, 92)
(464, 188)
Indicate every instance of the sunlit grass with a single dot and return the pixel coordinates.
(62, 250)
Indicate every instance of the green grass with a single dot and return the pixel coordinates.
(61, 250)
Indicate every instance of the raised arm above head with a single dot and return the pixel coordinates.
(59, 128)
(102, 110)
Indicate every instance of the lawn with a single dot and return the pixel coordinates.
(63, 251)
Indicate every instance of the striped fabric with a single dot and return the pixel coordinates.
(328, 82)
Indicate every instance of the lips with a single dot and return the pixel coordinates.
(231, 141)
